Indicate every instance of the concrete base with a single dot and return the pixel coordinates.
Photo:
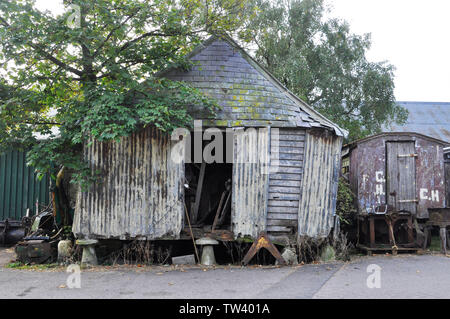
(184, 260)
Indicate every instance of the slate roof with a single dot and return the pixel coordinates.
(428, 118)
(397, 134)
(248, 94)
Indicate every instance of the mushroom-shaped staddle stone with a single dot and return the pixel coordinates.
(88, 257)
(208, 258)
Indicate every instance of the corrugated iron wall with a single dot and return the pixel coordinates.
(250, 181)
(19, 187)
(141, 192)
(317, 207)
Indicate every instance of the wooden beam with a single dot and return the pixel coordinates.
(198, 194)
(263, 241)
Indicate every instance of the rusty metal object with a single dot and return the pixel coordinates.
(35, 251)
(263, 241)
(366, 224)
(11, 231)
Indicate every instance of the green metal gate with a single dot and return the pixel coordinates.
(19, 186)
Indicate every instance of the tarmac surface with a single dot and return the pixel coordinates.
(403, 276)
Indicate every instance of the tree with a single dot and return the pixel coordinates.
(324, 63)
(92, 71)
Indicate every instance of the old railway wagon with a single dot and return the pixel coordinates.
(144, 193)
(403, 170)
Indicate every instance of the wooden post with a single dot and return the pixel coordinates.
(410, 230)
(372, 231)
(198, 194)
(427, 233)
(443, 234)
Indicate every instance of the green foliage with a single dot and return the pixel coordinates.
(324, 63)
(21, 266)
(99, 80)
(345, 203)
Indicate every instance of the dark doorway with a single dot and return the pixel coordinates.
(208, 192)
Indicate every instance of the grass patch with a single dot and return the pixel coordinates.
(19, 265)
(435, 243)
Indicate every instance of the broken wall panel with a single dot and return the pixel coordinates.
(250, 182)
(140, 194)
(319, 186)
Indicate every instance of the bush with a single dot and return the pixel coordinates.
(345, 205)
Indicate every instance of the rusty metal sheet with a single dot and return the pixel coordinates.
(140, 194)
(317, 205)
(250, 182)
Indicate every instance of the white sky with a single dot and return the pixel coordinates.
(413, 35)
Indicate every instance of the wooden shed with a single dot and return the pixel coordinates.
(290, 193)
(403, 170)
(447, 173)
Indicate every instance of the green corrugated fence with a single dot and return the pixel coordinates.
(19, 187)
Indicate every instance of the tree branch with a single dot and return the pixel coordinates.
(47, 55)
(114, 30)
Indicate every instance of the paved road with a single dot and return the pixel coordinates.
(426, 276)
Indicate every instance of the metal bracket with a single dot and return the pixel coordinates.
(408, 155)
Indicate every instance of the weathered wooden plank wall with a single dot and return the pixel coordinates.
(322, 158)
(401, 175)
(250, 182)
(140, 194)
(287, 149)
